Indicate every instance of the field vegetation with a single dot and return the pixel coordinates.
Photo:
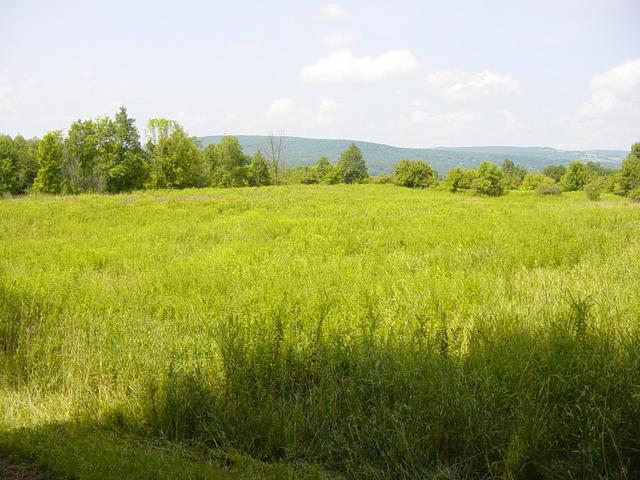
(308, 331)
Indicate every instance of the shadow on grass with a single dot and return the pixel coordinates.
(559, 402)
(82, 450)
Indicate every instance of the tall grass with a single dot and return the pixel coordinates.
(378, 332)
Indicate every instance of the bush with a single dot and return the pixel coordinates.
(634, 194)
(383, 178)
(414, 174)
(533, 179)
(593, 190)
(547, 189)
(489, 180)
(459, 179)
(577, 176)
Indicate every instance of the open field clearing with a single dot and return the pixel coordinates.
(364, 331)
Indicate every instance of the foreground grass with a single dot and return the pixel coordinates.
(371, 330)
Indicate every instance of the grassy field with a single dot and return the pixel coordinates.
(321, 331)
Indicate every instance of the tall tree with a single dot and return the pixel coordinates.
(228, 165)
(174, 157)
(125, 167)
(49, 163)
(80, 170)
(259, 174)
(27, 161)
(351, 165)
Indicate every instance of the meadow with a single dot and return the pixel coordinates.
(356, 331)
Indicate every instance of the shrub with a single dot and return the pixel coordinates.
(577, 176)
(634, 194)
(383, 178)
(533, 179)
(414, 174)
(489, 180)
(459, 179)
(593, 190)
(548, 189)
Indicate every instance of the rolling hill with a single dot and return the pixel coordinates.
(380, 157)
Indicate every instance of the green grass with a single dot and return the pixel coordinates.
(283, 332)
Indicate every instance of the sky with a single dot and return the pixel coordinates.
(556, 73)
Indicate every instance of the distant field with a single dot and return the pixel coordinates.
(364, 331)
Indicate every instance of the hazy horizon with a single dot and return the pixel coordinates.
(358, 140)
(562, 74)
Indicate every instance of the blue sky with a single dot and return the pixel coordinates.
(562, 73)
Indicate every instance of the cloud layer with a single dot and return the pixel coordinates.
(611, 112)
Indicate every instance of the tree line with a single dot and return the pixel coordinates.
(106, 155)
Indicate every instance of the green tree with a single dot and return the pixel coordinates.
(127, 169)
(228, 165)
(597, 170)
(175, 160)
(351, 166)
(27, 161)
(576, 178)
(629, 175)
(555, 172)
(513, 174)
(414, 174)
(9, 172)
(489, 180)
(259, 173)
(80, 169)
(49, 163)
(533, 179)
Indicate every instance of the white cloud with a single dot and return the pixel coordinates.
(615, 88)
(457, 85)
(281, 108)
(339, 39)
(327, 110)
(611, 113)
(333, 11)
(342, 66)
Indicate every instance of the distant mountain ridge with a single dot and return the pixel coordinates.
(380, 157)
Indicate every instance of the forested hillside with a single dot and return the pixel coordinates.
(380, 158)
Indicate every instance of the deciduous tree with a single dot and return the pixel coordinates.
(351, 166)
(48, 178)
